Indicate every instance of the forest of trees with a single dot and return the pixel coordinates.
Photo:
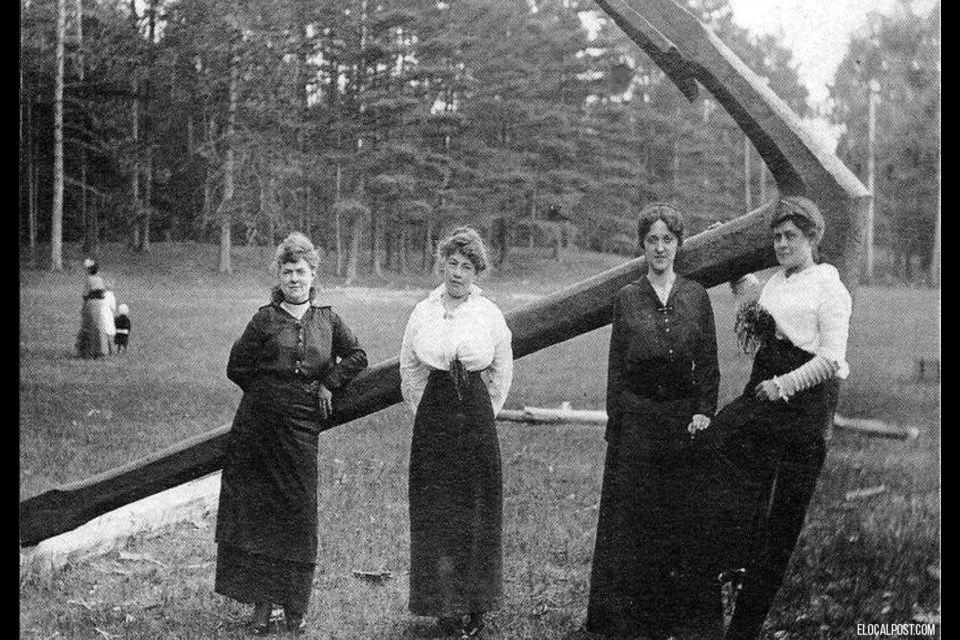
(373, 125)
(900, 54)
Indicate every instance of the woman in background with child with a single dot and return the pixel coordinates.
(96, 315)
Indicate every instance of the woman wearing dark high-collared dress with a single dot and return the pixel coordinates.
(293, 355)
(648, 578)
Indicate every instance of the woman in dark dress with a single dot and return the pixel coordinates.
(775, 433)
(456, 365)
(648, 576)
(292, 357)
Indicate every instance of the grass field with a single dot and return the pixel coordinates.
(871, 560)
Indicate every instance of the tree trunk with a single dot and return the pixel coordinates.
(134, 229)
(272, 219)
(144, 245)
(226, 205)
(533, 216)
(135, 171)
(402, 248)
(354, 257)
(302, 44)
(428, 248)
(263, 182)
(94, 222)
(207, 205)
(387, 250)
(84, 209)
(504, 243)
(147, 210)
(391, 246)
(747, 175)
(56, 227)
(90, 226)
(336, 225)
(89, 243)
(378, 231)
(299, 203)
(308, 215)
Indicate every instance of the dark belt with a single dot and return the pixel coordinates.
(661, 379)
(280, 383)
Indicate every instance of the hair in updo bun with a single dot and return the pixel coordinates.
(663, 211)
(467, 241)
(292, 248)
(804, 213)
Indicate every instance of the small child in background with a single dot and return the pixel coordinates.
(122, 323)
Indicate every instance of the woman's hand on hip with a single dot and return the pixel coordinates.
(698, 423)
(767, 390)
(325, 398)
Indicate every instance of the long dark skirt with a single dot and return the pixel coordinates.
(778, 449)
(652, 570)
(267, 518)
(253, 577)
(93, 341)
(456, 501)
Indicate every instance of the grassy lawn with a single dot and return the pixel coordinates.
(859, 561)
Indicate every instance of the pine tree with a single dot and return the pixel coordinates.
(901, 53)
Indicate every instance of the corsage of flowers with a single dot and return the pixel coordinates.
(754, 326)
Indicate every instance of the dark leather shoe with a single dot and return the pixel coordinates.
(450, 626)
(260, 621)
(474, 627)
(296, 624)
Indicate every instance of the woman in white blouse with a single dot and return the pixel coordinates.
(456, 364)
(775, 433)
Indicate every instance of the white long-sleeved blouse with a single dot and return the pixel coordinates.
(475, 332)
(812, 310)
